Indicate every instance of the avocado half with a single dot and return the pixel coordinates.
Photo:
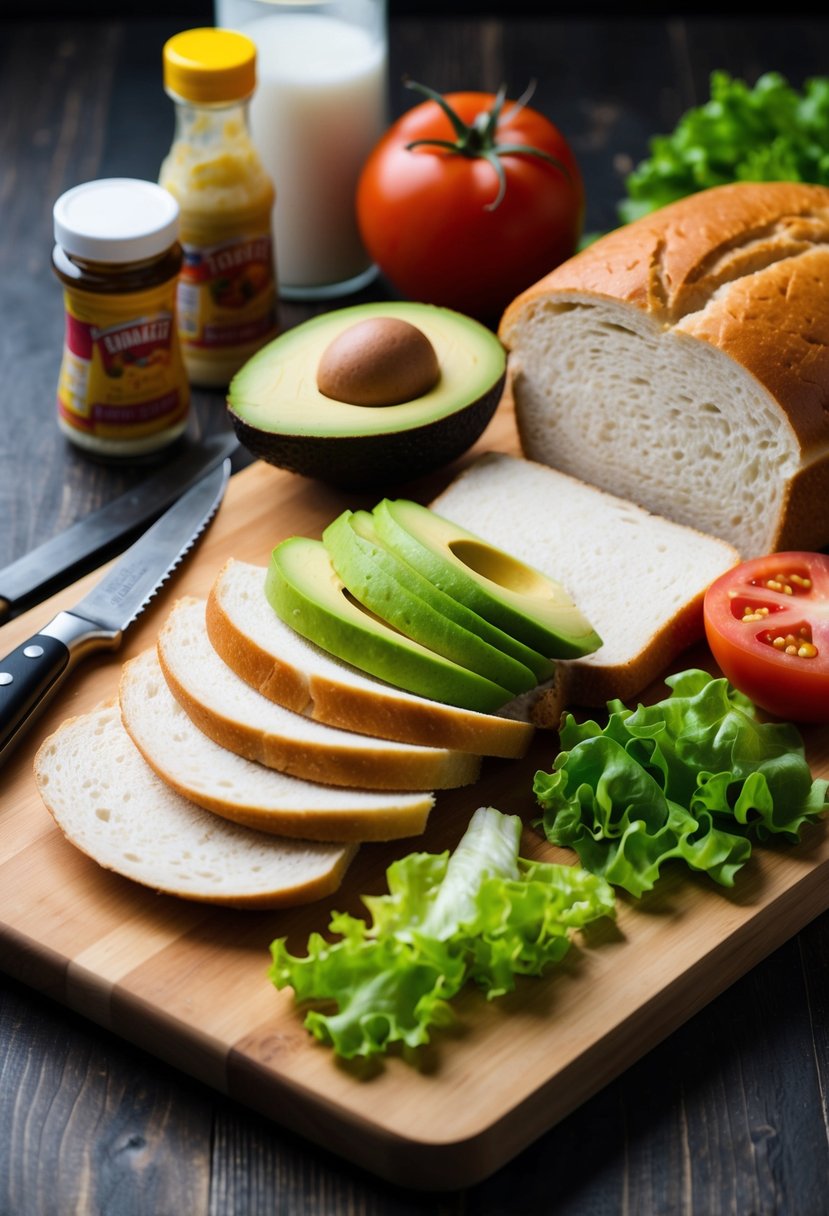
(281, 417)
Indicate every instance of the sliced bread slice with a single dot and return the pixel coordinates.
(286, 668)
(239, 718)
(110, 805)
(638, 578)
(221, 781)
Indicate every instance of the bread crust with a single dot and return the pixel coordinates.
(355, 708)
(670, 262)
(300, 891)
(592, 685)
(325, 763)
(351, 821)
(745, 268)
(775, 323)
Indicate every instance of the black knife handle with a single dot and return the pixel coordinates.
(28, 677)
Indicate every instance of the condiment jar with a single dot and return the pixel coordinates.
(227, 286)
(122, 390)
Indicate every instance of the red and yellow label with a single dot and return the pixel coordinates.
(226, 293)
(122, 376)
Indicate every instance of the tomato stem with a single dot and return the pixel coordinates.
(479, 139)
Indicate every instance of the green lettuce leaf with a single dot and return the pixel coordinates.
(692, 777)
(769, 133)
(482, 914)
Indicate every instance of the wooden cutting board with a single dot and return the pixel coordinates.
(189, 983)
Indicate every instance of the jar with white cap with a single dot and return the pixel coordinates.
(123, 391)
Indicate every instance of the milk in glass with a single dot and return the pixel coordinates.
(319, 109)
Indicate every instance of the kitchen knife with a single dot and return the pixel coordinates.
(65, 557)
(32, 673)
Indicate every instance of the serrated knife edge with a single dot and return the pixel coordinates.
(32, 673)
(97, 537)
(140, 567)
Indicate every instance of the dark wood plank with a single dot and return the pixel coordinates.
(88, 1124)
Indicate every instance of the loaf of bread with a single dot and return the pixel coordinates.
(113, 807)
(639, 578)
(219, 780)
(682, 362)
(283, 666)
(239, 718)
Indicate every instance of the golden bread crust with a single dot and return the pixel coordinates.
(365, 710)
(745, 269)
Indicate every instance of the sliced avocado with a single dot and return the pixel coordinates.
(517, 598)
(305, 591)
(355, 560)
(281, 415)
(363, 524)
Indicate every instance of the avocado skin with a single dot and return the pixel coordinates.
(370, 461)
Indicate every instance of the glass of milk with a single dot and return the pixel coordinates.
(318, 110)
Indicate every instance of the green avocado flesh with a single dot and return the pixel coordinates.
(359, 562)
(277, 390)
(517, 598)
(364, 525)
(280, 415)
(305, 591)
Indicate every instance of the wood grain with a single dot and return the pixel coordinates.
(189, 985)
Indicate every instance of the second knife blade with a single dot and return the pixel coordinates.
(66, 556)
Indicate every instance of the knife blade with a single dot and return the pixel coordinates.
(59, 561)
(33, 672)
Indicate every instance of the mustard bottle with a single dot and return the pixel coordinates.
(122, 390)
(226, 301)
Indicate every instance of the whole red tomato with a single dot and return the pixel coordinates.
(489, 203)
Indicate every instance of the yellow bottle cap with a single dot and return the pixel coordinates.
(210, 65)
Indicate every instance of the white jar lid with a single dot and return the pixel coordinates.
(116, 219)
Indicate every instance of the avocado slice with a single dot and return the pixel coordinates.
(363, 524)
(281, 416)
(517, 598)
(359, 563)
(305, 591)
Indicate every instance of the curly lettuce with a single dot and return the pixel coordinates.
(693, 777)
(482, 914)
(770, 132)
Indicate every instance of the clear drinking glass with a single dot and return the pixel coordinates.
(319, 108)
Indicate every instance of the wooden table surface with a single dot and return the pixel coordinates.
(729, 1115)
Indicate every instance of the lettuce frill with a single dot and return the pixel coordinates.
(482, 913)
(693, 777)
(767, 133)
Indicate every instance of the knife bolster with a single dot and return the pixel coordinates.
(79, 635)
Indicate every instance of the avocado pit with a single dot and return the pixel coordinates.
(379, 361)
(280, 415)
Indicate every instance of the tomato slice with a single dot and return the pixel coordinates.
(767, 623)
